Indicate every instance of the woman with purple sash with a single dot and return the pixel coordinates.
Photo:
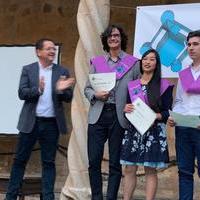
(187, 102)
(106, 121)
(151, 149)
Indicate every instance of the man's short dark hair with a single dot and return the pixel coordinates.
(193, 34)
(40, 43)
(107, 33)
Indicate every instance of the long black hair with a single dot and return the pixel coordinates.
(153, 87)
(107, 33)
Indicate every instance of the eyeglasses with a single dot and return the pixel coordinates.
(116, 35)
(49, 49)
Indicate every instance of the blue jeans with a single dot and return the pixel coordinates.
(187, 149)
(46, 132)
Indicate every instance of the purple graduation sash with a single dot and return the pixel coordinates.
(120, 68)
(189, 84)
(135, 89)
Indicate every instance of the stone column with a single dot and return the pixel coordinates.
(92, 19)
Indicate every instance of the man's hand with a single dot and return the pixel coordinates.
(41, 84)
(64, 83)
(171, 121)
(128, 108)
(158, 116)
(102, 95)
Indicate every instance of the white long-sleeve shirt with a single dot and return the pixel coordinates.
(186, 103)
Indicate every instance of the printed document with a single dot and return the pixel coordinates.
(191, 121)
(142, 117)
(103, 81)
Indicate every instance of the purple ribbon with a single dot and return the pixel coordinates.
(189, 84)
(121, 68)
(135, 89)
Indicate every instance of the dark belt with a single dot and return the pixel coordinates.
(109, 106)
(45, 119)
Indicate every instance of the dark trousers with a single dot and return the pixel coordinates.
(187, 149)
(107, 128)
(46, 132)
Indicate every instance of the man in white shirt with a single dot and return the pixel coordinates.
(188, 102)
(43, 86)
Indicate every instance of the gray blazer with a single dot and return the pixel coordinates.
(96, 106)
(28, 91)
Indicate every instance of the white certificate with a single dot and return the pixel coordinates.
(103, 81)
(142, 117)
(185, 120)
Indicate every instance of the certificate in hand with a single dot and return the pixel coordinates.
(103, 81)
(142, 117)
(191, 121)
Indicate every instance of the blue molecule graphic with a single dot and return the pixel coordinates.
(169, 41)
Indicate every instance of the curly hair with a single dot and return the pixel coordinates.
(107, 33)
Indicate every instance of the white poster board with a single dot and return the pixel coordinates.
(165, 29)
(13, 58)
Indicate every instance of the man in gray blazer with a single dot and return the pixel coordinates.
(106, 118)
(43, 87)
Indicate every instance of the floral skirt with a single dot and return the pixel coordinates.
(149, 150)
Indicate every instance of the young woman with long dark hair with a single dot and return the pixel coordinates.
(149, 150)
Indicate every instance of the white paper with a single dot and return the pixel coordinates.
(103, 81)
(191, 121)
(142, 117)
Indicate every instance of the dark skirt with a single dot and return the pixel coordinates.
(150, 150)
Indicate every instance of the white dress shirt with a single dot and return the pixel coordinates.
(45, 106)
(187, 103)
